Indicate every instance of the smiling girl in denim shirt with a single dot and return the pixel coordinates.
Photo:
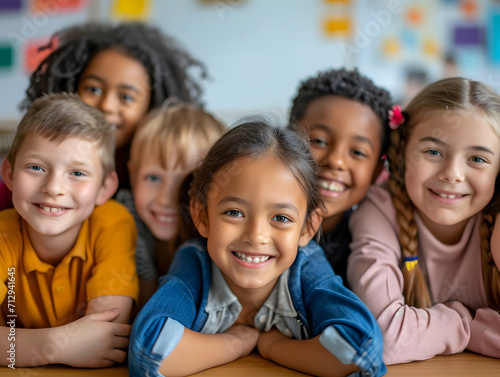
(254, 278)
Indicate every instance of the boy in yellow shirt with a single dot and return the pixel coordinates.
(67, 268)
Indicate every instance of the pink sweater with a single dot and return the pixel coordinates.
(455, 282)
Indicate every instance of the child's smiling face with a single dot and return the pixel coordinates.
(451, 164)
(255, 221)
(118, 85)
(346, 141)
(56, 185)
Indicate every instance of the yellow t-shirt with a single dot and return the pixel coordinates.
(102, 263)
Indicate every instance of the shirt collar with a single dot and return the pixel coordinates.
(31, 260)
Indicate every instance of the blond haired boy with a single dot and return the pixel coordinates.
(164, 151)
(67, 269)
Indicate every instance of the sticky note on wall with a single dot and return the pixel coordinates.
(6, 56)
(33, 57)
(337, 26)
(131, 9)
(53, 7)
(468, 35)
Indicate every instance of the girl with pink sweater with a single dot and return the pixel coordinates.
(421, 259)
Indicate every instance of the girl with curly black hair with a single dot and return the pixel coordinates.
(124, 70)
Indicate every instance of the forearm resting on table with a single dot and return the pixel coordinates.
(196, 352)
(103, 303)
(307, 356)
(31, 347)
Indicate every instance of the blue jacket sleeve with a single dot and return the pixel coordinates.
(345, 325)
(173, 307)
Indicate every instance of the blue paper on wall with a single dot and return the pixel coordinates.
(7, 5)
(494, 37)
(468, 35)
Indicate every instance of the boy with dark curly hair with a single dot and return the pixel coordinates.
(345, 115)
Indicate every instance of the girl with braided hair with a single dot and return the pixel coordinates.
(421, 259)
(123, 69)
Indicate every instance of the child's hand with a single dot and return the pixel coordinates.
(94, 342)
(247, 338)
(268, 339)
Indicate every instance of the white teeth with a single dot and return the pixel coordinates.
(332, 186)
(50, 209)
(165, 219)
(243, 257)
(448, 196)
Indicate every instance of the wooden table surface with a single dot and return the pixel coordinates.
(461, 365)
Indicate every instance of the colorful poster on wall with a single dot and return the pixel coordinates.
(131, 9)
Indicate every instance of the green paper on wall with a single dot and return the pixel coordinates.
(6, 56)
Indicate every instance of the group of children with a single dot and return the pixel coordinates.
(260, 236)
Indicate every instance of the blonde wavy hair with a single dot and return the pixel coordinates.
(454, 95)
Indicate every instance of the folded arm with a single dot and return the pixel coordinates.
(307, 356)
(196, 351)
(89, 342)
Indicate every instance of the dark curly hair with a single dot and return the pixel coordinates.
(166, 62)
(348, 84)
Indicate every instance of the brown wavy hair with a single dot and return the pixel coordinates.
(451, 95)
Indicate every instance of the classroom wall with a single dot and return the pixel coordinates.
(257, 51)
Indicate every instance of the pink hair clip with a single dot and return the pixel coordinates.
(396, 117)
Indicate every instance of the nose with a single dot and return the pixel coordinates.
(257, 232)
(167, 194)
(54, 185)
(336, 158)
(108, 103)
(452, 171)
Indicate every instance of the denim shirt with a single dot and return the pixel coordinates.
(323, 305)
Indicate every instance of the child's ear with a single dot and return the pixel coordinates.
(310, 228)
(7, 173)
(199, 216)
(108, 189)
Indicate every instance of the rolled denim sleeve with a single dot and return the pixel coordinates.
(345, 325)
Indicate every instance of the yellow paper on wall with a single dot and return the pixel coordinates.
(131, 9)
(337, 26)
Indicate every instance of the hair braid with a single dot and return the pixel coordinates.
(415, 288)
(491, 275)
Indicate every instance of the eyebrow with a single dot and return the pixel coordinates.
(72, 163)
(280, 205)
(480, 148)
(360, 138)
(123, 86)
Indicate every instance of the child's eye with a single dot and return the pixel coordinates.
(478, 160)
(316, 141)
(234, 213)
(127, 98)
(358, 153)
(281, 219)
(433, 152)
(94, 90)
(78, 174)
(35, 168)
(152, 178)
